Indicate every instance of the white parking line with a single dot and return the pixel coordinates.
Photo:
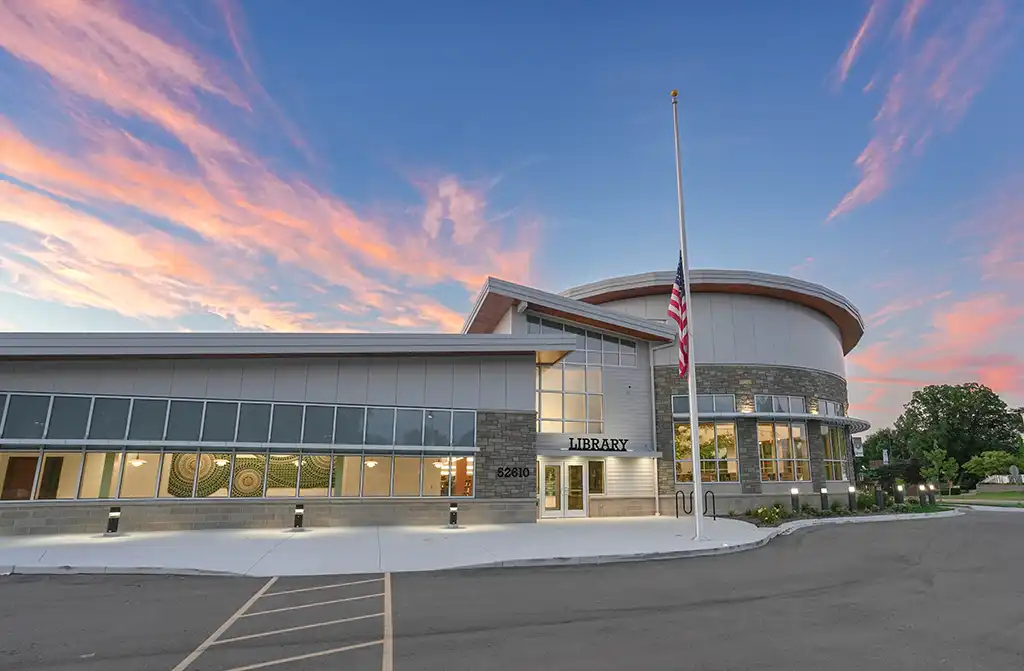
(308, 655)
(311, 605)
(388, 654)
(183, 664)
(299, 628)
(313, 589)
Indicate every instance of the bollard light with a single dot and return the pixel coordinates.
(300, 512)
(879, 498)
(899, 493)
(824, 499)
(113, 519)
(852, 491)
(453, 515)
(921, 495)
(931, 494)
(794, 499)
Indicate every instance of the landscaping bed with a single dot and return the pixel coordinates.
(773, 516)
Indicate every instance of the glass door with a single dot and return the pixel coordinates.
(575, 491)
(551, 495)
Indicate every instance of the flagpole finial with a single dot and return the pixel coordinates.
(675, 93)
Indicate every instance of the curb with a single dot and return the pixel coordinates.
(114, 570)
(781, 530)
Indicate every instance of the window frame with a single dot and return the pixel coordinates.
(719, 463)
(789, 404)
(546, 423)
(715, 400)
(777, 460)
(831, 461)
(535, 325)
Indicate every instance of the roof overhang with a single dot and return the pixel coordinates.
(814, 296)
(855, 424)
(498, 296)
(547, 349)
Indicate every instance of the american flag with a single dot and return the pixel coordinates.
(677, 313)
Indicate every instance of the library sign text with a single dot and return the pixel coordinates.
(598, 444)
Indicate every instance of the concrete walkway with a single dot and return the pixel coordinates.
(357, 550)
(350, 550)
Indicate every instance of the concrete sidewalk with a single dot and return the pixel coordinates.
(350, 550)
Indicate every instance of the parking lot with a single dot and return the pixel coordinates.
(929, 594)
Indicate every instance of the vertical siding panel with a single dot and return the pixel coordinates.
(723, 328)
(412, 382)
(745, 331)
(353, 378)
(152, 378)
(321, 380)
(258, 381)
(520, 384)
(439, 383)
(492, 383)
(289, 381)
(466, 392)
(189, 379)
(382, 382)
(225, 379)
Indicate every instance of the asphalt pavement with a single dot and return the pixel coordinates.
(930, 594)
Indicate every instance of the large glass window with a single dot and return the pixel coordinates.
(595, 477)
(463, 429)
(184, 421)
(58, 478)
(830, 408)
(436, 479)
(347, 475)
(407, 476)
(109, 419)
(718, 455)
(282, 475)
(286, 427)
(784, 454)
(249, 473)
(69, 417)
(178, 475)
(315, 474)
(787, 405)
(17, 473)
(140, 475)
(409, 427)
(593, 348)
(148, 419)
(461, 475)
(253, 423)
(348, 426)
(376, 475)
(100, 475)
(214, 474)
(318, 427)
(220, 421)
(26, 416)
(570, 399)
(835, 453)
(706, 403)
(437, 429)
(380, 426)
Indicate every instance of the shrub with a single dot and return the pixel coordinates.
(865, 499)
(825, 513)
(771, 514)
(836, 507)
(901, 508)
(872, 508)
(809, 510)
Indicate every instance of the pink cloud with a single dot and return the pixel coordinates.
(217, 191)
(800, 269)
(860, 39)
(908, 17)
(929, 91)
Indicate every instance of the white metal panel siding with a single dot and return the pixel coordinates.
(736, 329)
(505, 324)
(493, 383)
(629, 477)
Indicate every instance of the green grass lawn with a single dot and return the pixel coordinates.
(988, 496)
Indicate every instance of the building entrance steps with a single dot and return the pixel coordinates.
(351, 550)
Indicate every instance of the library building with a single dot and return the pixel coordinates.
(544, 406)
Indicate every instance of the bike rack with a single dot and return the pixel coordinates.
(688, 497)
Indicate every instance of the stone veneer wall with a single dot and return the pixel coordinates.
(745, 382)
(504, 439)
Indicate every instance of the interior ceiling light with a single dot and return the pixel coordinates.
(137, 461)
(371, 463)
(220, 462)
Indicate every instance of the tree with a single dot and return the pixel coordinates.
(991, 462)
(886, 439)
(965, 419)
(939, 466)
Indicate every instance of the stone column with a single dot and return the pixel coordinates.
(748, 453)
(506, 439)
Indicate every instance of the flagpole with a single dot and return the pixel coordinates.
(691, 369)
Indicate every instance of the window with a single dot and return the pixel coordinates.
(315, 473)
(461, 476)
(318, 426)
(830, 408)
(376, 475)
(219, 424)
(26, 416)
(213, 478)
(438, 428)
(570, 399)
(109, 419)
(286, 425)
(706, 403)
(59, 476)
(786, 405)
(148, 419)
(407, 476)
(178, 475)
(784, 455)
(253, 423)
(184, 420)
(346, 475)
(436, 478)
(463, 429)
(597, 349)
(835, 453)
(380, 426)
(140, 473)
(348, 426)
(409, 427)
(282, 474)
(69, 417)
(595, 477)
(718, 456)
(17, 473)
(100, 475)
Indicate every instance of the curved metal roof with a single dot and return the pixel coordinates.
(744, 282)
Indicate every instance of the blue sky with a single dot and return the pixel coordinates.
(363, 166)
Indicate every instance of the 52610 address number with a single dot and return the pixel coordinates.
(513, 472)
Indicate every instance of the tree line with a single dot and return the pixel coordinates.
(950, 434)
